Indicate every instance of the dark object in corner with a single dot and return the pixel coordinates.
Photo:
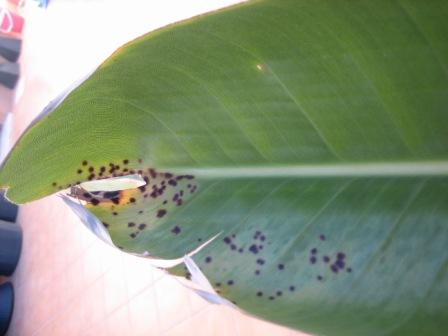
(9, 74)
(6, 306)
(10, 247)
(8, 210)
(10, 48)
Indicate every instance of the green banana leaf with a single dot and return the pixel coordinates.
(311, 134)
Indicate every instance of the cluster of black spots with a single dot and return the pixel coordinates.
(230, 241)
(260, 261)
(208, 259)
(115, 170)
(260, 294)
(337, 265)
(141, 227)
(292, 288)
(230, 282)
(281, 267)
(176, 230)
(61, 187)
(340, 263)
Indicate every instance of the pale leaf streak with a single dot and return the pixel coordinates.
(373, 88)
(394, 227)
(302, 109)
(308, 225)
(289, 94)
(210, 132)
(439, 276)
(223, 106)
(257, 206)
(423, 35)
(273, 124)
(343, 99)
(155, 118)
(410, 316)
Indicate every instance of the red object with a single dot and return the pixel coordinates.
(15, 2)
(10, 22)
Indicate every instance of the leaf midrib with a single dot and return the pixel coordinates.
(423, 168)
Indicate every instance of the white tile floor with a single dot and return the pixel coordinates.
(68, 282)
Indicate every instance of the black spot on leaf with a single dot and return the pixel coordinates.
(176, 230)
(161, 213)
(253, 248)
